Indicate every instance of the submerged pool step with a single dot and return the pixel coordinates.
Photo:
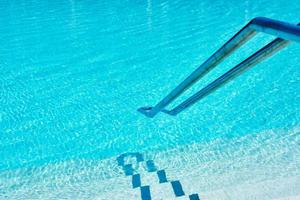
(150, 180)
(264, 190)
(222, 169)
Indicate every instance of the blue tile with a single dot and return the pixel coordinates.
(139, 157)
(150, 166)
(194, 197)
(136, 180)
(120, 159)
(177, 188)
(128, 169)
(162, 176)
(145, 193)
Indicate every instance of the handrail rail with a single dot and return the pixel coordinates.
(284, 31)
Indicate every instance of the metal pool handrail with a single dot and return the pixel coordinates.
(285, 32)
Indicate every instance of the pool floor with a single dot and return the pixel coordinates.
(232, 169)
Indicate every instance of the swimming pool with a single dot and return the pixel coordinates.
(73, 73)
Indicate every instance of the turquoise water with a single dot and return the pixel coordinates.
(73, 73)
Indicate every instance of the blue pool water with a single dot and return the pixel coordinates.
(73, 73)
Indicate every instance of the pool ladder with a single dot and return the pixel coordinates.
(285, 32)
